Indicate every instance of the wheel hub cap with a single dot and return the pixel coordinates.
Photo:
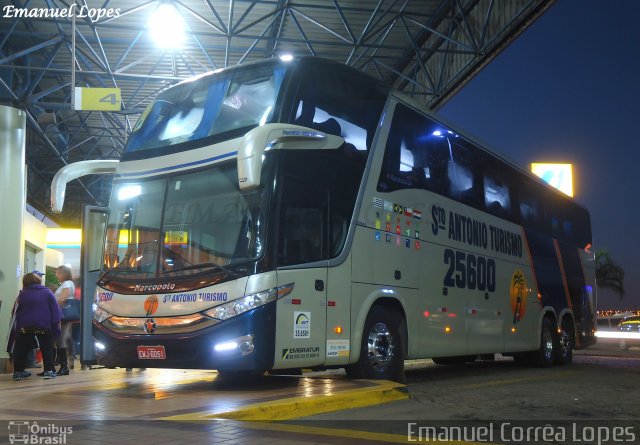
(380, 346)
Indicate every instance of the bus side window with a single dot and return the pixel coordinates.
(528, 211)
(435, 167)
(496, 196)
(464, 175)
(532, 211)
(460, 178)
(567, 230)
(338, 104)
(415, 157)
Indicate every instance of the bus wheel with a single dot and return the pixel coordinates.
(565, 342)
(381, 354)
(545, 355)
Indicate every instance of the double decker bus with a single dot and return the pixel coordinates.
(285, 215)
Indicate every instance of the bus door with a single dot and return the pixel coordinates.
(302, 253)
(94, 225)
(301, 319)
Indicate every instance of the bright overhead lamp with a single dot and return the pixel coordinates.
(167, 27)
(286, 57)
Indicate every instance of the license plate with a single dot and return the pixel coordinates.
(151, 353)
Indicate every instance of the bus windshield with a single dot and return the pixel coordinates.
(208, 106)
(183, 224)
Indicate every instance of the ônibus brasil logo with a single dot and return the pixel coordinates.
(31, 432)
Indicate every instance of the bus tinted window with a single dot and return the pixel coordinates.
(463, 169)
(208, 106)
(528, 211)
(316, 201)
(497, 198)
(416, 155)
(339, 102)
(302, 235)
(422, 153)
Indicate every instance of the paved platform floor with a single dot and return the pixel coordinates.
(183, 407)
(113, 406)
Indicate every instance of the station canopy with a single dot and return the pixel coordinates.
(428, 49)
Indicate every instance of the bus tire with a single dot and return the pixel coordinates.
(381, 350)
(544, 356)
(565, 340)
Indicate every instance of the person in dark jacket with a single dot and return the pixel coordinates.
(37, 324)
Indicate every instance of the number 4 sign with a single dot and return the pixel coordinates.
(97, 99)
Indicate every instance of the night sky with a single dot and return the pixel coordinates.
(568, 90)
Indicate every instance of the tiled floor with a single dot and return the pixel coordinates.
(112, 406)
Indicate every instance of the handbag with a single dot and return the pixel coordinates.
(71, 310)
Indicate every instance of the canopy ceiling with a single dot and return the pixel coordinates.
(427, 48)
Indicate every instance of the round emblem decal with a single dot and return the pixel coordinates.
(151, 304)
(150, 326)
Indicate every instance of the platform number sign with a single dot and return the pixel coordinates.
(97, 99)
(109, 98)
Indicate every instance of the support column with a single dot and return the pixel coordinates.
(12, 208)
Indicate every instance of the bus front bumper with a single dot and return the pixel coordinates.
(242, 343)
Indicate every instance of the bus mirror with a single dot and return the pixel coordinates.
(277, 136)
(73, 171)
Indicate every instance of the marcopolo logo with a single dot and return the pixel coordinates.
(154, 287)
(27, 432)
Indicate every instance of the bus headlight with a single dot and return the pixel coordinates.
(243, 344)
(244, 304)
(100, 315)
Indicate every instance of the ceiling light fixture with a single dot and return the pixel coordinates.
(166, 27)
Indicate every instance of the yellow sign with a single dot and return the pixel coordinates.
(559, 176)
(174, 237)
(97, 99)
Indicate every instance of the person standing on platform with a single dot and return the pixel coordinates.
(66, 290)
(37, 324)
(75, 326)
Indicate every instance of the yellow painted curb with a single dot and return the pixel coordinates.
(382, 391)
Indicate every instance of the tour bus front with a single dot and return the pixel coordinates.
(187, 243)
(184, 241)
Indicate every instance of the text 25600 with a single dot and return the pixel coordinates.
(469, 271)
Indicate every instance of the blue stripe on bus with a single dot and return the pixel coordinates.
(187, 164)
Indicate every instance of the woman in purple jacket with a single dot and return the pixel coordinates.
(37, 324)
